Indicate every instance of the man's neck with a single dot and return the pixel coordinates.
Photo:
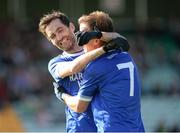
(74, 50)
(77, 53)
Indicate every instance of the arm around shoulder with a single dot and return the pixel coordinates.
(75, 103)
(71, 67)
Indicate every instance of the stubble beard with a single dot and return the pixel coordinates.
(72, 47)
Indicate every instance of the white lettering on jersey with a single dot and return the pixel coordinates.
(76, 77)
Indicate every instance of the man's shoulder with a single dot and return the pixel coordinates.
(95, 67)
(107, 60)
(58, 58)
(119, 56)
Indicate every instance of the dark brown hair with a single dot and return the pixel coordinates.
(47, 18)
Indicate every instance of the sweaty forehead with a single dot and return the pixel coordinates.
(84, 27)
(53, 26)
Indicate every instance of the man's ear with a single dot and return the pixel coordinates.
(72, 27)
(96, 43)
(97, 40)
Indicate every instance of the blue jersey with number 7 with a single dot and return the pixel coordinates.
(112, 84)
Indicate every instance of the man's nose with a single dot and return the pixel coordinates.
(58, 38)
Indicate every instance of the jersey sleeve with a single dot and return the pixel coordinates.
(53, 67)
(89, 85)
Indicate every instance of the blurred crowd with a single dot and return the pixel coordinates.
(24, 55)
(157, 54)
(23, 61)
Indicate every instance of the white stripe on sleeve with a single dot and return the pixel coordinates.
(84, 98)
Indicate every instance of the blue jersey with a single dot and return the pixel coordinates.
(75, 122)
(112, 85)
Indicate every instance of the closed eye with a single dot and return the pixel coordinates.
(59, 30)
(52, 36)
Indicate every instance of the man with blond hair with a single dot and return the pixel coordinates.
(110, 83)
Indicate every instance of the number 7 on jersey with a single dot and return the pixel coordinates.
(131, 72)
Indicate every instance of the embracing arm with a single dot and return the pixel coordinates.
(75, 103)
(75, 66)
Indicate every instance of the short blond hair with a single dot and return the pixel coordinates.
(98, 19)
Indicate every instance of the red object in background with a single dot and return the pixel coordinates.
(3, 90)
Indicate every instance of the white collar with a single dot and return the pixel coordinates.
(74, 54)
